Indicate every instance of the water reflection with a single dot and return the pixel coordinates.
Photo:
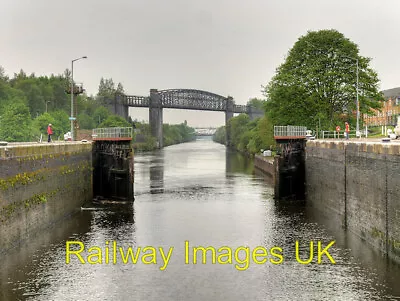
(237, 163)
(157, 174)
(24, 269)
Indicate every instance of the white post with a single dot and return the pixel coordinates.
(72, 100)
(358, 105)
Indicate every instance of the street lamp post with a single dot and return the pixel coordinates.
(46, 104)
(357, 103)
(72, 95)
(358, 134)
(358, 106)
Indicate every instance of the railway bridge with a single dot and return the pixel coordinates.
(186, 99)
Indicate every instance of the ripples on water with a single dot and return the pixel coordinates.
(199, 193)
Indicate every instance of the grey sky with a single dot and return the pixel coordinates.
(225, 47)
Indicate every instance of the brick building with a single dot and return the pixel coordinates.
(389, 112)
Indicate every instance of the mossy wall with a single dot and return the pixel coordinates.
(358, 185)
(39, 185)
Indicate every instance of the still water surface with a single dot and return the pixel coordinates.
(200, 193)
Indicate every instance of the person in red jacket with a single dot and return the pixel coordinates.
(347, 129)
(49, 132)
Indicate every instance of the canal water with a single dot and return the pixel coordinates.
(190, 196)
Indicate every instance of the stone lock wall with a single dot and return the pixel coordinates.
(358, 185)
(39, 185)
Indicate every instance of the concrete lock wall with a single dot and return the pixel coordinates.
(358, 185)
(265, 164)
(39, 185)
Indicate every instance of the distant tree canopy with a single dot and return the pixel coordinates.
(249, 136)
(257, 103)
(318, 80)
(108, 91)
(29, 103)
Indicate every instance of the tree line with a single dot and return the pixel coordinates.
(28, 103)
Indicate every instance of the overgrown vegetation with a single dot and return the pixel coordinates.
(247, 136)
(172, 134)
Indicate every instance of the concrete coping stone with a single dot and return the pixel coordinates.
(16, 150)
(377, 147)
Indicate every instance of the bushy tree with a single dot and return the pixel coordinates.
(15, 124)
(85, 121)
(100, 114)
(42, 121)
(61, 123)
(248, 136)
(114, 121)
(317, 82)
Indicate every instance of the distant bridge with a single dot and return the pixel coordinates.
(187, 99)
(205, 131)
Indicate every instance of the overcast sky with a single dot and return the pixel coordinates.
(225, 47)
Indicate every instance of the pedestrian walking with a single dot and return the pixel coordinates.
(347, 129)
(49, 132)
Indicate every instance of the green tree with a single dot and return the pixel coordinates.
(114, 121)
(248, 136)
(85, 121)
(257, 103)
(220, 135)
(15, 124)
(41, 122)
(61, 123)
(317, 82)
(100, 114)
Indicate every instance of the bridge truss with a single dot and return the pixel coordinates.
(188, 99)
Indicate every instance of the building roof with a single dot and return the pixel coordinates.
(391, 93)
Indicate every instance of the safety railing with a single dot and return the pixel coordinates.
(338, 135)
(290, 131)
(117, 133)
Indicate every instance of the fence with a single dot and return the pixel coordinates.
(338, 135)
(112, 133)
(290, 131)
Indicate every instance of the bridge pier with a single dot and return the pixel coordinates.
(254, 112)
(228, 115)
(118, 106)
(156, 117)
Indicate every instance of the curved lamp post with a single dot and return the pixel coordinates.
(46, 104)
(72, 95)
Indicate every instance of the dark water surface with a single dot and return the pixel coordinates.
(197, 192)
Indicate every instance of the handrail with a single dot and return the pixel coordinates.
(112, 133)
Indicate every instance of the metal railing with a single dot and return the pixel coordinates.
(290, 131)
(109, 133)
(338, 135)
